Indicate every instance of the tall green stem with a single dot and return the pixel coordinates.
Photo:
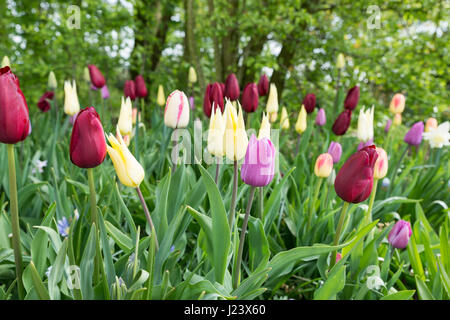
(261, 203)
(15, 219)
(92, 195)
(338, 232)
(313, 202)
(233, 196)
(237, 266)
(147, 215)
(368, 217)
(136, 133)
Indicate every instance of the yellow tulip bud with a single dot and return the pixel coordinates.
(397, 119)
(161, 98)
(284, 121)
(192, 75)
(235, 139)
(381, 165)
(340, 63)
(264, 130)
(397, 104)
(431, 124)
(324, 165)
(71, 104)
(6, 62)
(52, 83)
(176, 113)
(272, 100)
(216, 133)
(86, 75)
(300, 125)
(273, 116)
(125, 123)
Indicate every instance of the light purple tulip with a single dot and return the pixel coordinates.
(94, 87)
(335, 149)
(388, 125)
(365, 144)
(414, 136)
(400, 234)
(321, 119)
(105, 92)
(259, 162)
(191, 102)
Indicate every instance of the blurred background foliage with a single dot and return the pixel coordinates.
(295, 42)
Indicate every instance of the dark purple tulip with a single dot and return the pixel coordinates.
(216, 95)
(44, 103)
(222, 87)
(352, 98)
(206, 101)
(263, 85)
(388, 125)
(309, 102)
(342, 122)
(232, 90)
(97, 78)
(400, 234)
(250, 97)
(141, 88)
(129, 89)
(414, 136)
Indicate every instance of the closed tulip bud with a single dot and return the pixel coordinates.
(331, 178)
(414, 136)
(161, 98)
(354, 180)
(365, 124)
(134, 116)
(86, 75)
(264, 129)
(431, 124)
(263, 85)
(388, 125)
(284, 121)
(216, 133)
(397, 104)
(309, 101)
(105, 92)
(14, 118)
(235, 138)
(6, 62)
(273, 116)
(96, 75)
(141, 88)
(272, 100)
(365, 144)
(192, 78)
(52, 83)
(381, 165)
(438, 137)
(71, 104)
(300, 125)
(129, 90)
(400, 234)
(125, 124)
(321, 118)
(250, 98)
(44, 103)
(176, 113)
(128, 169)
(335, 150)
(216, 95)
(340, 126)
(324, 165)
(340, 63)
(232, 90)
(352, 98)
(207, 105)
(87, 143)
(258, 167)
(397, 119)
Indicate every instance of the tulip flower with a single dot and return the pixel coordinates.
(352, 98)
(215, 136)
(161, 98)
(342, 122)
(272, 103)
(192, 78)
(309, 102)
(263, 85)
(216, 95)
(284, 121)
(340, 63)
(335, 150)
(365, 125)
(250, 98)
(222, 87)
(105, 92)
(397, 104)
(321, 118)
(71, 104)
(438, 137)
(176, 112)
(414, 136)
(206, 101)
(300, 125)
(43, 103)
(400, 234)
(5, 62)
(52, 83)
(191, 103)
(431, 124)
(141, 88)
(264, 129)
(388, 125)
(232, 90)
(86, 75)
(129, 90)
(135, 116)
(397, 119)
(125, 124)
(96, 75)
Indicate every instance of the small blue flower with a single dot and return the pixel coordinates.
(63, 227)
(385, 183)
(172, 248)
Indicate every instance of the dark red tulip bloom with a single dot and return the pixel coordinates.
(44, 103)
(250, 97)
(309, 102)
(263, 85)
(207, 102)
(342, 122)
(222, 87)
(14, 117)
(129, 89)
(232, 90)
(352, 98)
(141, 88)
(97, 78)
(87, 144)
(354, 180)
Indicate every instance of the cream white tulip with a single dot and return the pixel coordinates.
(161, 98)
(192, 75)
(216, 133)
(272, 102)
(264, 129)
(235, 138)
(125, 124)
(438, 137)
(71, 103)
(365, 124)
(176, 113)
(6, 62)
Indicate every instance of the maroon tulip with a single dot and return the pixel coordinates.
(250, 97)
(263, 85)
(232, 90)
(207, 102)
(342, 122)
(309, 102)
(354, 180)
(44, 103)
(97, 78)
(352, 98)
(129, 89)
(14, 118)
(141, 88)
(87, 144)
(222, 87)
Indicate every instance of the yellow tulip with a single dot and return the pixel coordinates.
(128, 169)
(71, 104)
(6, 62)
(86, 75)
(340, 63)
(192, 75)
(284, 121)
(235, 139)
(125, 123)
(273, 116)
(300, 125)
(52, 84)
(216, 133)
(431, 124)
(264, 129)
(272, 102)
(161, 98)
(324, 165)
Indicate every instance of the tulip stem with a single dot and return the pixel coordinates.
(175, 151)
(311, 207)
(136, 132)
(217, 170)
(338, 232)
(261, 203)
(233, 196)
(93, 200)
(368, 217)
(297, 148)
(147, 215)
(237, 266)
(15, 219)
